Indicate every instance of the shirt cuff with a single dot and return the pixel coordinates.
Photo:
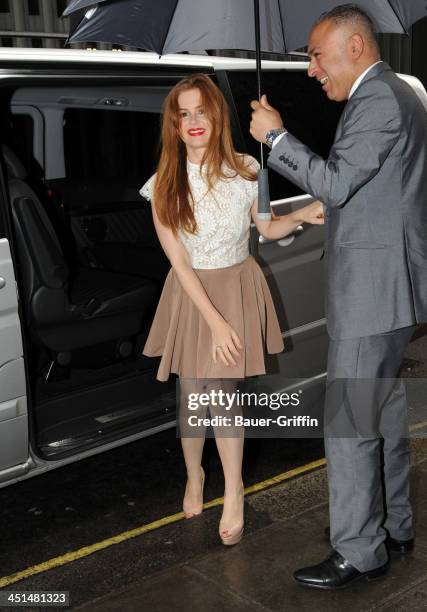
(276, 140)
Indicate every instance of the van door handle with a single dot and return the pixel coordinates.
(286, 241)
(2, 282)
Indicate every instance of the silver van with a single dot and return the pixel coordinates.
(81, 269)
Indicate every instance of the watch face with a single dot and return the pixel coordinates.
(273, 133)
(270, 136)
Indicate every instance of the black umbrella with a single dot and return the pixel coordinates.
(77, 5)
(173, 26)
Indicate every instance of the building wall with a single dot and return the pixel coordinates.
(38, 16)
(41, 17)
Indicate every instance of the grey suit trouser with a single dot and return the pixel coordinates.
(367, 452)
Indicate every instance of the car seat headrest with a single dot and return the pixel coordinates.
(14, 166)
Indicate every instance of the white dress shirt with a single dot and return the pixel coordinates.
(360, 79)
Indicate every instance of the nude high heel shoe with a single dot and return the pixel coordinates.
(192, 511)
(233, 535)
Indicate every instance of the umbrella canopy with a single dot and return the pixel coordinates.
(77, 5)
(173, 26)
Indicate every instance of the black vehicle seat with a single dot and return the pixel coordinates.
(66, 307)
(119, 226)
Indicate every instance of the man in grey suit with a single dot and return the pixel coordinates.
(374, 189)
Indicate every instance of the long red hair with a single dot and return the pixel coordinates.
(172, 193)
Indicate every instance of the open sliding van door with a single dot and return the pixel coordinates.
(14, 449)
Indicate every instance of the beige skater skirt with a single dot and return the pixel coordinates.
(180, 335)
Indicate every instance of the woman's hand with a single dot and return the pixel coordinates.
(225, 343)
(282, 226)
(313, 213)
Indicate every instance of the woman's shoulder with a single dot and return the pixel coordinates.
(148, 187)
(249, 161)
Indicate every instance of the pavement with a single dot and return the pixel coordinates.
(256, 575)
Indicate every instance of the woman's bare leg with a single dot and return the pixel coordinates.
(231, 454)
(230, 442)
(192, 441)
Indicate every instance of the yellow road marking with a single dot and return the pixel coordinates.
(418, 426)
(85, 551)
(167, 520)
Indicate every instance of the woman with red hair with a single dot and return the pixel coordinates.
(215, 318)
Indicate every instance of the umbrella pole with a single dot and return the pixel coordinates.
(264, 209)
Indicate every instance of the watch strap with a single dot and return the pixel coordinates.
(272, 135)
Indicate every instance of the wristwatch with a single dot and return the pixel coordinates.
(272, 135)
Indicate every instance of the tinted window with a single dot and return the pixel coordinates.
(33, 7)
(107, 144)
(61, 5)
(306, 111)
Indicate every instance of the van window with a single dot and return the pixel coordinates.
(306, 111)
(33, 7)
(108, 144)
(61, 5)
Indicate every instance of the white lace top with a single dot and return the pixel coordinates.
(223, 217)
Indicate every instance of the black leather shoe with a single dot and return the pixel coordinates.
(335, 572)
(399, 547)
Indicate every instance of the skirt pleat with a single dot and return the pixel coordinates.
(181, 336)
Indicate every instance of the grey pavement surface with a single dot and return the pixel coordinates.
(184, 565)
(256, 575)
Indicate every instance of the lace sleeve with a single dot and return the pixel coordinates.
(147, 189)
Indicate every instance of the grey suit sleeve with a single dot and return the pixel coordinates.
(371, 128)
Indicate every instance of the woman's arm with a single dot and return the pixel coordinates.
(279, 227)
(223, 335)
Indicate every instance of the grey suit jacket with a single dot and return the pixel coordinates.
(374, 186)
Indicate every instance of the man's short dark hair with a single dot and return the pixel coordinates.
(352, 14)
